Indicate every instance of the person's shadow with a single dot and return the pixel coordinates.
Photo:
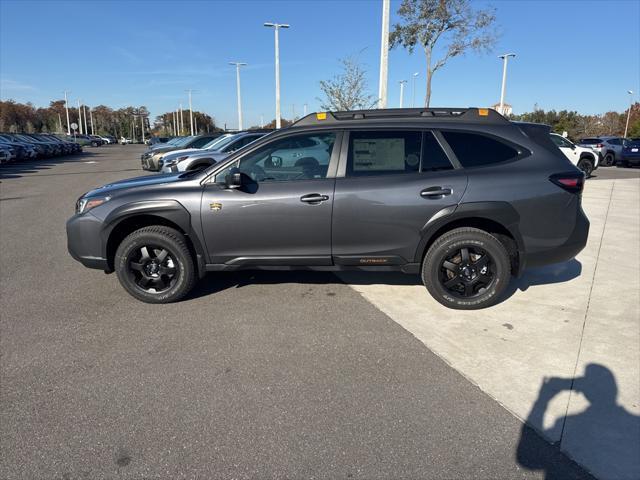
(605, 437)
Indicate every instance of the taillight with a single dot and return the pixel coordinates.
(600, 145)
(572, 182)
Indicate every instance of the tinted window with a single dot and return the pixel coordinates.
(285, 160)
(615, 141)
(475, 150)
(560, 141)
(383, 153)
(590, 141)
(433, 157)
(200, 142)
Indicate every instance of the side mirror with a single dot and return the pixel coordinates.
(236, 179)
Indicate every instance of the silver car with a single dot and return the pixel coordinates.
(609, 149)
(203, 158)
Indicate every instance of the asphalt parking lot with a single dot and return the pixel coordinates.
(255, 375)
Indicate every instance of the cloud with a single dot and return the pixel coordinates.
(8, 84)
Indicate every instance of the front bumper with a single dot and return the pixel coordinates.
(84, 241)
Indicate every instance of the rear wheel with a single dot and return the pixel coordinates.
(608, 160)
(155, 265)
(586, 165)
(466, 269)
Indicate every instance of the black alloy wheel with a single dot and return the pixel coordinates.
(152, 268)
(467, 272)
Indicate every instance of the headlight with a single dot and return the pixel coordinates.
(85, 204)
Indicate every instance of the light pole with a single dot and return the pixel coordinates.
(79, 117)
(66, 106)
(84, 114)
(238, 65)
(630, 92)
(384, 56)
(304, 110)
(413, 90)
(505, 59)
(276, 28)
(181, 120)
(190, 112)
(402, 82)
(91, 117)
(142, 124)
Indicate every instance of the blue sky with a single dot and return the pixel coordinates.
(579, 55)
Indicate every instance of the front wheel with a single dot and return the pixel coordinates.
(466, 269)
(586, 165)
(155, 265)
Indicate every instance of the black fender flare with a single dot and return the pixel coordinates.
(499, 212)
(168, 209)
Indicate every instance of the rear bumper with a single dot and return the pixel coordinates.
(573, 245)
(84, 242)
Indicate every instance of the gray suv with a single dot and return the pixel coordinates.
(462, 197)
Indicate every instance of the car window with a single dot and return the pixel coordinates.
(433, 157)
(200, 142)
(615, 141)
(383, 153)
(590, 141)
(560, 141)
(285, 160)
(473, 150)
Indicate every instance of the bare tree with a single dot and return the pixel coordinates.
(347, 90)
(454, 23)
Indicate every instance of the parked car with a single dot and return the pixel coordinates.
(197, 159)
(585, 158)
(20, 149)
(463, 197)
(125, 141)
(157, 140)
(6, 154)
(630, 153)
(151, 158)
(607, 147)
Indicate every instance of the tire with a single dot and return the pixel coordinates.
(608, 160)
(477, 281)
(148, 273)
(586, 165)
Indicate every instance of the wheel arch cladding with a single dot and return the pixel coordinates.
(498, 218)
(130, 217)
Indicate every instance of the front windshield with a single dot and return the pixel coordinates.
(183, 141)
(212, 145)
(224, 142)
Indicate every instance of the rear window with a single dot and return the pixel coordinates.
(475, 150)
(590, 141)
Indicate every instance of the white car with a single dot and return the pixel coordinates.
(585, 158)
(124, 141)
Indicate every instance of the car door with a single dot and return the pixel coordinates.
(567, 148)
(390, 183)
(282, 216)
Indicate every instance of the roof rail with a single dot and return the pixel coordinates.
(471, 115)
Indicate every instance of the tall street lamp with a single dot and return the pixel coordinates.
(276, 28)
(630, 92)
(66, 107)
(190, 111)
(402, 82)
(79, 117)
(413, 90)
(384, 56)
(238, 65)
(505, 59)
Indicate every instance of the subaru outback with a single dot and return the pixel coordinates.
(462, 197)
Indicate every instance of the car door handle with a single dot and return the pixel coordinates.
(435, 192)
(314, 198)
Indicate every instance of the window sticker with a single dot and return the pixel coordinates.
(378, 154)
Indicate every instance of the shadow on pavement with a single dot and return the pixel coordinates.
(216, 282)
(18, 169)
(605, 434)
